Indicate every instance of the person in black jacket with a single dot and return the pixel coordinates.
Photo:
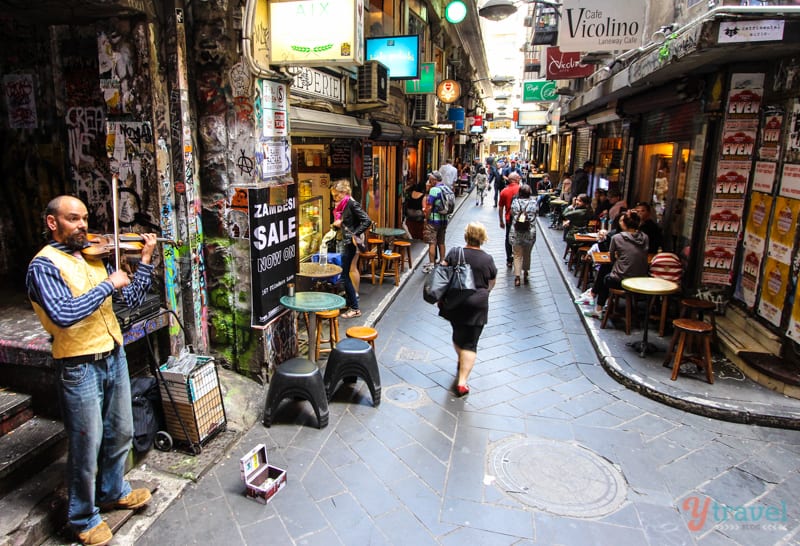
(350, 218)
(581, 178)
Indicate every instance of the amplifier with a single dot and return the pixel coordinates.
(127, 316)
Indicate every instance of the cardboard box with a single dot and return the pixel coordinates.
(262, 480)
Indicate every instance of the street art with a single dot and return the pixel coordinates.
(20, 101)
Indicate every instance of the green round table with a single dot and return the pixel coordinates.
(311, 302)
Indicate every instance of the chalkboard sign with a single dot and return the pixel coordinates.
(340, 156)
(367, 173)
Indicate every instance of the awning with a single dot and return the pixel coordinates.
(383, 130)
(694, 49)
(315, 123)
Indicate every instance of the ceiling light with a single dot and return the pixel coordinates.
(497, 10)
(502, 81)
(456, 11)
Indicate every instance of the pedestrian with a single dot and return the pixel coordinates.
(523, 231)
(70, 295)
(415, 218)
(581, 178)
(352, 223)
(494, 178)
(480, 185)
(628, 251)
(435, 223)
(449, 173)
(469, 317)
(504, 211)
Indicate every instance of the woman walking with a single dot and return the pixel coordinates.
(480, 184)
(352, 221)
(469, 317)
(523, 231)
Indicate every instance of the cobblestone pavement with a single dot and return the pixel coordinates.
(547, 449)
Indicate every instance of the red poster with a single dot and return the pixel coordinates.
(564, 65)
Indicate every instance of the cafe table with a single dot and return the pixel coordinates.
(389, 234)
(311, 302)
(586, 237)
(649, 286)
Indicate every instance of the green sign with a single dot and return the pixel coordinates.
(538, 91)
(426, 82)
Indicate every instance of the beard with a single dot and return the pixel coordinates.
(76, 240)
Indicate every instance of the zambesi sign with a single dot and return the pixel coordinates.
(602, 25)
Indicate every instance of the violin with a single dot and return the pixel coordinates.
(102, 246)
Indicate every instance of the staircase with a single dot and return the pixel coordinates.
(29, 445)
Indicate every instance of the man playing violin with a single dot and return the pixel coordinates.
(70, 295)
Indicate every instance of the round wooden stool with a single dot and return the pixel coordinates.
(614, 296)
(685, 331)
(404, 249)
(364, 333)
(374, 244)
(697, 308)
(368, 258)
(393, 259)
(333, 331)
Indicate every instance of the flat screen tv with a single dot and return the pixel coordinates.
(399, 53)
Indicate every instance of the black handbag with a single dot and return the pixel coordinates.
(436, 283)
(450, 284)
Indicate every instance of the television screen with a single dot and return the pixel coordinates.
(399, 53)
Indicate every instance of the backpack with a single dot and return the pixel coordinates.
(446, 202)
(522, 222)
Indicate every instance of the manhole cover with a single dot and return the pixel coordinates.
(557, 477)
(405, 396)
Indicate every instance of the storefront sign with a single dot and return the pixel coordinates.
(456, 115)
(532, 118)
(448, 91)
(274, 118)
(608, 25)
(316, 83)
(273, 244)
(566, 65)
(317, 33)
(426, 84)
(539, 91)
(741, 32)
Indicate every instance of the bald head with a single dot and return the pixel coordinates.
(66, 218)
(514, 176)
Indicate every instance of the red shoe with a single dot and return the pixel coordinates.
(462, 390)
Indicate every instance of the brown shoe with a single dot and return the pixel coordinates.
(99, 535)
(133, 500)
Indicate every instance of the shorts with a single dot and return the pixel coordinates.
(434, 233)
(466, 336)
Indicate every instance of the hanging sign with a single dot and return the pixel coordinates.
(566, 65)
(273, 244)
(426, 84)
(605, 25)
(539, 91)
(448, 91)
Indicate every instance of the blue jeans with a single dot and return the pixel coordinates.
(96, 406)
(348, 255)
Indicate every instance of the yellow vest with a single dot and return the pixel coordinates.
(98, 332)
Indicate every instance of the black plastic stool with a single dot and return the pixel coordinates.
(298, 378)
(353, 358)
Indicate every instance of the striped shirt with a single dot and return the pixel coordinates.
(666, 265)
(47, 288)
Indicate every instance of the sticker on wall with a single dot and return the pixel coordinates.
(773, 290)
(273, 157)
(755, 238)
(764, 176)
(784, 227)
(790, 180)
(770, 147)
(20, 101)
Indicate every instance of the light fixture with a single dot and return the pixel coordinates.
(497, 10)
(455, 12)
(502, 81)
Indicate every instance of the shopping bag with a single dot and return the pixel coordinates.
(437, 282)
(462, 283)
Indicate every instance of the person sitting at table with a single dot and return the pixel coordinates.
(601, 204)
(603, 242)
(353, 222)
(577, 219)
(618, 205)
(628, 252)
(648, 226)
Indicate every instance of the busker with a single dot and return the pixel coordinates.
(70, 295)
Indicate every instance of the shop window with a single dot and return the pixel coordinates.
(380, 18)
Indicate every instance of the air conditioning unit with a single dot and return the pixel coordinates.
(424, 110)
(373, 83)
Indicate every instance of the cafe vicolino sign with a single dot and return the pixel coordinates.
(605, 25)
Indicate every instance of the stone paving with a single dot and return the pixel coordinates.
(547, 449)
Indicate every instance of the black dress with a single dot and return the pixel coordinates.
(474, 311)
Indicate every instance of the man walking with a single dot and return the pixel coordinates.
(70, 295)
(449, 173)
(506, 196)
(581, 179)
(494, 178)
(435, 222)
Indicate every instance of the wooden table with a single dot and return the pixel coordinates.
(649, 286)
(319, 271)
(311, 302)
(586, 237)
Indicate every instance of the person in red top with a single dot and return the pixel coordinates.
(504, 210)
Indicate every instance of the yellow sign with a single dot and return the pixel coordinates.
(448, 91)
(317, 32)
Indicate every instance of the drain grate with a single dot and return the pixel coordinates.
(405, 396)
(557, 477)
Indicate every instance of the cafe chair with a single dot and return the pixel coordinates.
(695, 308)
(368, 259)
(687, 331)
(611, 308)
(333, 331)
(393, 261)
(353, 358)
(364, 333)
(404, 249)
(297, 378)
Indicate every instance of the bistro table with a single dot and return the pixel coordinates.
(388, 234)
(649, 286)
(556, 207)
(316, 270)
(311, 302)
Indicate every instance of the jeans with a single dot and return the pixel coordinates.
(95, 402)
(348, 255)
(509, 252)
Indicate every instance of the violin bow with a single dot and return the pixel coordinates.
(110, 145)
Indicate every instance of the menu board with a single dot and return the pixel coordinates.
(367, 172)
(340, 156)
